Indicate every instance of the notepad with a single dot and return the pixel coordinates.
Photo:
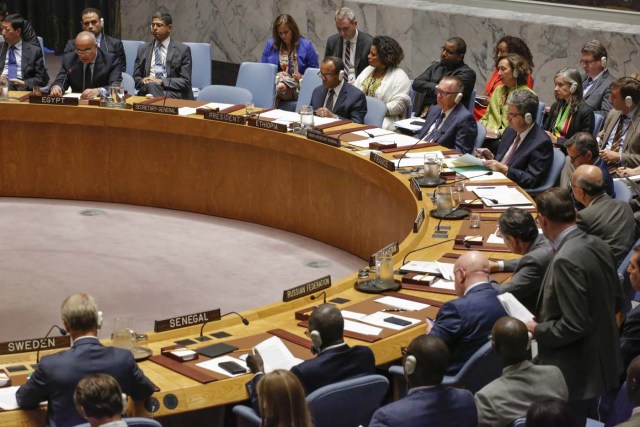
(401, 303)
(276, 355)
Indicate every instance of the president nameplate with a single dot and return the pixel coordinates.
(318, 136)
(35, 344)
(381, 161)
(263, 124)
(52, 100)
(390, 249)
(187, 320)
(224, 117)
(152, 108)
(306, 289)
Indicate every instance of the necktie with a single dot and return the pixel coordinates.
(615, 145)
(347, 57)
(87, 77)
(434, 129)
(329, 103)
(587, 83)
(512, 150)
(12, 71)
(159, 64)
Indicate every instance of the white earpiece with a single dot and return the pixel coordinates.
(316, 342)
(628, 101)
(342, 75)
(99, 319)
(458, 98)
(573, 88)
(604, 61)
(101, 22)
(410, 364)
(515, 73)
(528, 118)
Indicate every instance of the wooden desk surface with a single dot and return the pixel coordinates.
(187, 163)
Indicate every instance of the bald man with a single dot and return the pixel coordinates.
(609, 219)
(633, 391)
(506, 398)
(464, 324)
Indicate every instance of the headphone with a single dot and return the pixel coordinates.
(410, 364)
(316, 342)
(514, 72)
(528, 118)
(342, 75)
(628, 101)
(99, 319)
(573, 88)
(101, 22)
(604, 61)
(458, 98)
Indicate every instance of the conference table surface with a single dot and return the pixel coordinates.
(334, 195)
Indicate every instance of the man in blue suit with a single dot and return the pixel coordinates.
(57, 375)
(525, 152)
(427, 402)
(336, 98)
(449, 123)
(464, 324)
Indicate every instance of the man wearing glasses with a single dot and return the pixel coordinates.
(336, 98)
(451, 64)
(596, 78)
(92, 21)
(89, 71)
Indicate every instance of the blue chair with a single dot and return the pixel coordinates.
(540, 116)
(130, 52)
(260, 80)
(482, 134)
(598, 122)
(623, 192)
(134, 422)
(129, 84)
(376, 110)
(225, 94)
(554, 173)
(472, 100)
(347, 403)
(519, 422)
(310, 81)
(200, 65)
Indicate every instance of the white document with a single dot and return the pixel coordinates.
(426, 267)
(213, 365)
(276, 355)
(494, 239)
(186, 111)
(446, 270)
(73, 95)
(481, 176)
(504, 195)
(214, 105)
(319, 121)
(408, 161)
(444, 284)
(514, 307)
(361, 328)
(352, 315)
(280, 114)
(406, 124)
(399, 139)
(8, 398)
(401, 303)
(378, 317)
(374, 132)
(465, 160)
(420, 155)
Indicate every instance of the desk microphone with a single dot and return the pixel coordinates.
(324, 297)
(69, 71)
(466, 178)
(464, 243)
(411, 148)
(457, 208)
(244, 320)
(169, 85)
(62, 332)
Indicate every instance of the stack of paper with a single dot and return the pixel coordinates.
(402, 303)
(503, 195)
(514, 308)
(429, 267)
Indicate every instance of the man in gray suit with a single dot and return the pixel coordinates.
(576, 327)
(163, 66)
(609, 219)
(350, 44)
(520, 234)
(21, 63)
(507, 398)
(596, 77)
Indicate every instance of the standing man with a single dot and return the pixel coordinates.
(92, 21)
(350, 44)
(21, 63)
(576, 327)
(336, 98)
(451, 64)
(596, 78)
(57, 375)
(88, 70)
(449, 123)
(163, 66)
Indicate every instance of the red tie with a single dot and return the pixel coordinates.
(509, 156)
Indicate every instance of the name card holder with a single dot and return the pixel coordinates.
(306, 289)
(415, 187)
(224, 117)
(52, 100)
(263, 124)
(391, 249)
(318, 136)
(152, 108)
(381, 161)
(188, 320)
(35, 344)
(417, 224)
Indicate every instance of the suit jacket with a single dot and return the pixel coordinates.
(307, 57)
(459, 130)
(440, 406)
(612, 221)
(567, 172)
(598, 95)
(465, 323)
(507, 398)
(106, 70)
(426, 83)
(630, 336)
(178, 64)
(531, 163)
(57, 375)
(32, 65)
(577, 330)
(581, 121)
(351, 103)
(528, 273)
(109, 44)
(335, 47)
(631, 146)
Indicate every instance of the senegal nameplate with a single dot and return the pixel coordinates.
(52, 100)
(318, 136)
(390, 250)
(188, 320)
(419, 221)
(224, 117)
(263, 124)
(306, 289)
(381, 161)
(25, 346)
(153, 108)
(415, 188)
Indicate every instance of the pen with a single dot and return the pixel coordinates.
(486, 188)
(393, 310)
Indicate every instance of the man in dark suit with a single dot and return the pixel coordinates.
(21, 63)
(609, 219)
(464, 324)
(451, 64)
(28, 34)
(596, 78)
(88, 71)
(163, 66)
(337, 98)
(350, 44)
(630, 329)
(449, 123)
(633, 393)
(576, 326)
(57, 375)
(427, 402)
(525, 152)
(520, 234)
(335, 360)
(92, 21)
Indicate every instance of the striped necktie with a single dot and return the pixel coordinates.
(347, 57)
